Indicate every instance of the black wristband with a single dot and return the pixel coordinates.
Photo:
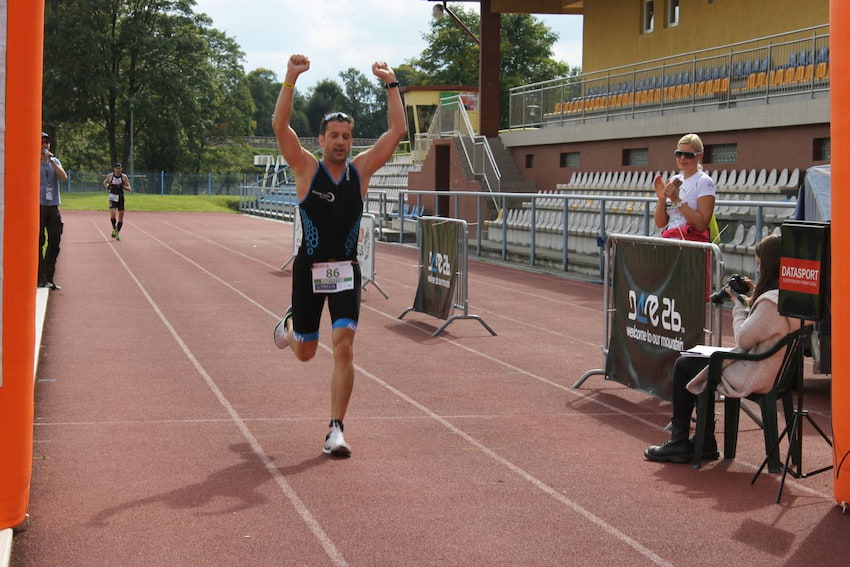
(388, 86)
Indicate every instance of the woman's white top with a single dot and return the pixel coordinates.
(697, 185)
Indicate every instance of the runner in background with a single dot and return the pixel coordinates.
(116, 182)
(330, 200)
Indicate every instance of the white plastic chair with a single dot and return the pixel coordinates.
(720, 184)
(731, 180)
(793, 180)
(736, 239)
(761, 180)
(748, 242)
(783, 179)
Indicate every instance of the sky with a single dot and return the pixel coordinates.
(339, 34)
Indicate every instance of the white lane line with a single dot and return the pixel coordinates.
(312, 419)
(405, 285)
(569, 390)
(311, 522)
(219, 245)
(587, 514)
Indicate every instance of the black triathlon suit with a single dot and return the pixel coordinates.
(116, 187)
(330, 224)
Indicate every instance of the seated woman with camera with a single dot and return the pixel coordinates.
(757, 326)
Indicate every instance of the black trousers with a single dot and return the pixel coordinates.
(50, 231)
(684, 370)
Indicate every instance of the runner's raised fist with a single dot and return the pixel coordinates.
(298, 64)
(383, 71)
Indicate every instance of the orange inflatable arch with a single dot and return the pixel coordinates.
(839, 62)
(24, 33)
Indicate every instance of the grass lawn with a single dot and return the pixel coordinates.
(147, 202)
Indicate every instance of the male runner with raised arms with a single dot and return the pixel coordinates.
(330, 199)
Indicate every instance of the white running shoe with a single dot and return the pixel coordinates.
(335, 442)
(281, 331)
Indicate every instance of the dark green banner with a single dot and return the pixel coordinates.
(438, 261)
(659, 311)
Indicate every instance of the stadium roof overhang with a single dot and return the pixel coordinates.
(531, 6)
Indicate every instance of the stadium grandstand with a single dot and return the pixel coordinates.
(578, 157)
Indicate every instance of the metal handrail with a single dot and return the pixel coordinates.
(476, 149)
(675, 82)
(678, 58)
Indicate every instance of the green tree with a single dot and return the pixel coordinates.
(326, 96)
(409, 75)
(451, 58)
(264, 88)
(155, 60)
(299, 121)
(367, 102)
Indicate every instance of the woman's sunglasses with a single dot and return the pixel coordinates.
(686, 155)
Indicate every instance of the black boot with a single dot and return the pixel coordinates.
(676, 450)
(670, 452)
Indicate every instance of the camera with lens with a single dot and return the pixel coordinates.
(735, 283)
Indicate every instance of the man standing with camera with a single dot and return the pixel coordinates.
(50, 229)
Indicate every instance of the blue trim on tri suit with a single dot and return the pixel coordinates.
(345, 324)
(306, 338)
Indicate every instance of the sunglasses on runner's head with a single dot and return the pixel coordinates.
(335, 116)
(687, 155)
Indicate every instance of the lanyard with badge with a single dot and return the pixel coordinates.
(332, 277)
(48, 186)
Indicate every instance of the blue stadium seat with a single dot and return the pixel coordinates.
(792, 60)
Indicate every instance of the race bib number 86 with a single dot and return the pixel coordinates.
(332, 277)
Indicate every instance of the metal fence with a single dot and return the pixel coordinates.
(162, 183)
(529, 227)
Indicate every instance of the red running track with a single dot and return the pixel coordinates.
(171, 431)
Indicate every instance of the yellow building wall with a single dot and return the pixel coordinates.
(613, 37)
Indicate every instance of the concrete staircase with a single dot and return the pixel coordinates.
(511, 180)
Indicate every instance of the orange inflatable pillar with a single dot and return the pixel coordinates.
(839, 62)
(24, 33)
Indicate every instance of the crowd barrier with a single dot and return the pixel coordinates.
(366, 253)
(443, 272)
(654, 307)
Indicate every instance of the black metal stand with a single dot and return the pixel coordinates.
(794, 432)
